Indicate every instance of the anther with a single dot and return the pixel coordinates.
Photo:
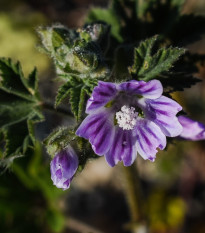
(127, 118)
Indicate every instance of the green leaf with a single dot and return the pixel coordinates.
(77, 89)
(32, 82)
(12, 79)
(177, 81)
(63, 92)
(143, 7)
(19, 109)
(77, 99)
(147, 66)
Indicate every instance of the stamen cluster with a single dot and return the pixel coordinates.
(127, 118)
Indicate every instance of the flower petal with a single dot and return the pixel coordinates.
(152, 89)
(149, 137)
(68, 161)
(63, 167)
(101, 95)
(122, 148)
(163, 112)
(99, 129)
(192, 130)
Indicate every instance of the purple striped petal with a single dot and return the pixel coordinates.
(192, 130)
(99, 129)
(163, 112)
(149, 137)
(63, 168)
(101, 95)
(122, 148)
(151, 90)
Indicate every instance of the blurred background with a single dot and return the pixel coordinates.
(174, 185)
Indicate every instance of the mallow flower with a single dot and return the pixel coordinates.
(127, 118)
(192, 130)
(63, 167)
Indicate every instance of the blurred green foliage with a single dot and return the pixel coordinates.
(28, 200)
(166, 212)
(18, 40)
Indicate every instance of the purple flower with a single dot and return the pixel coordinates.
(63, 168)
(128, 118)
(192, 130)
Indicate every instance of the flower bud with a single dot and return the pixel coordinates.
(63, 167)
(94, 32)
(76, 52)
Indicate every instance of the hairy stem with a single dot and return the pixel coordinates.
(61, 110)
(134, 197)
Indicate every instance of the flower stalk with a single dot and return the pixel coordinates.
(50, 106)
(133, 194)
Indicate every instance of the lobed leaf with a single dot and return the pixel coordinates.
(177, 81)
(147, 66)
(19, 109)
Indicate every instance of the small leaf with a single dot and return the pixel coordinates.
(77, 99)
(147, 66)
(63, 92)
(78, 90)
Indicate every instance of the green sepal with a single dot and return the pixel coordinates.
(55, 37)
(84, 151)
(58, 140)
(63, 137)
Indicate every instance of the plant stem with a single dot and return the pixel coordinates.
(133, 193)
(61, 110)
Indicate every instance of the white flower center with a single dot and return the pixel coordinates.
(127, 117)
